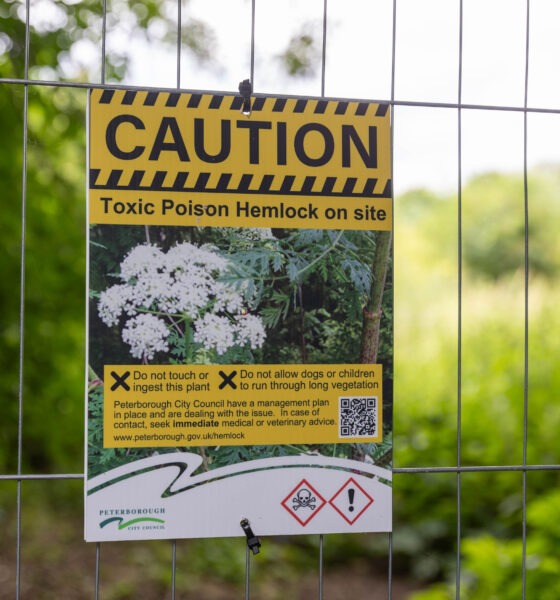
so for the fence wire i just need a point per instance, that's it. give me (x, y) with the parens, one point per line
(26, 83)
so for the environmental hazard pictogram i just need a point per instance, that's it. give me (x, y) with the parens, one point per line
(303, 502)
(351, 501)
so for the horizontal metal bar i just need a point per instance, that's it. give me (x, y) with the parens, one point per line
(476, 469)
(407, 103)
(399, 471)
(38, 476)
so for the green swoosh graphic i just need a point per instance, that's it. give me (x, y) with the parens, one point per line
(124, 524)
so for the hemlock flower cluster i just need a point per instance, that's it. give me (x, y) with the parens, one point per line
(178, 290)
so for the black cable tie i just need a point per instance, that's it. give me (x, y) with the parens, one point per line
(253, 541)
(246, 89)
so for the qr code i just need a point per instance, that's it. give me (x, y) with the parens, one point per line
(357, 416)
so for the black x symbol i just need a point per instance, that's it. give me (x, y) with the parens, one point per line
(228, 380)
(120, 381)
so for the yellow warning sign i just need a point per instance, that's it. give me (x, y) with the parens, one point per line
(212, 405)
(171, 158)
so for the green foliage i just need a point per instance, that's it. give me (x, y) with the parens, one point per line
(492, 384)
(53, 39)
(492, 221)
(54, 230)
(301, 57)
(310, 286)
(492, 566)
(314, 284)
(54, 275)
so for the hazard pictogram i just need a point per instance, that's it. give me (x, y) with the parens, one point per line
(351, 501)
(303, 502)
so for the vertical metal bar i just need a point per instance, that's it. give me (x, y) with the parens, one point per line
(390, 568)
(526, 308)
(22, 299)
(247, 572)
(393, 70)
(459, 292)
(21, 349)
(179, 34)
(97, 567)
(173, 567)
(321, 541)
(253, 13)
(103, 77)
(252, 79)
(103, 40)
(323, 75)
(324, 51)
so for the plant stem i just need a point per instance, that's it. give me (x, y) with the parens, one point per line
(372, 310)
(188, 340)
(302, 325)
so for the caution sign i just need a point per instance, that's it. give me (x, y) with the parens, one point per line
(176, 158)
(239, 321)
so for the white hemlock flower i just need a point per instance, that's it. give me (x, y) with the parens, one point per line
(143, 259)
(214, 333)
(249, 328)
(146, 335)
(150, 289)
(190, 258)
(184, 287)
(228, 299)
(112, 303)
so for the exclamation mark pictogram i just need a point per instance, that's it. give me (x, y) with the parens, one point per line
(351, 492)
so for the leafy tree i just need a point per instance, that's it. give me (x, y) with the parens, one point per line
(302, 56)
(65, 34)
(54, 276)
(54, 232)
(492, 382)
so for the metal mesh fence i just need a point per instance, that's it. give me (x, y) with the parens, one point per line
(378, 60)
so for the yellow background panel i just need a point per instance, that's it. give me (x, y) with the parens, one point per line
(212, 405)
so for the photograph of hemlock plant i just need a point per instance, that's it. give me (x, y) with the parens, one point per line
(200, 295)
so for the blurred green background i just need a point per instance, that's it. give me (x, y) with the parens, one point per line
(492, 384)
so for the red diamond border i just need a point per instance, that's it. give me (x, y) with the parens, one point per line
(356, 516)
(304, 483)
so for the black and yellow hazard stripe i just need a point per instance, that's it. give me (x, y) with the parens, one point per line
(314, 106)
(268, 178)
(183, 181)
